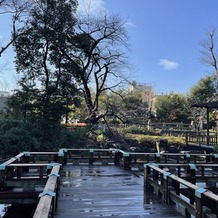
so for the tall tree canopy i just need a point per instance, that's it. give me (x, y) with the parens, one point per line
(38, 58)
(58, 55)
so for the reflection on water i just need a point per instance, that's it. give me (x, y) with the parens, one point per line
(3, 209)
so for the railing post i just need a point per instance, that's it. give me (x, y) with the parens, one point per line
(41, 169)
(147, 172)
(19, 172)
(65, 155)
(198, 201)
(166, 187)
(154, 172)
(126, 161)
(157, 157)
(2, 178)
(215, 156)
(216, 138)
(192, 179)
(26, 160)
(116, 157)
(186, 138)
(208, 157)
(61, 157)
(176, 186)
(34, 158)
(187, 158)
(91, 156)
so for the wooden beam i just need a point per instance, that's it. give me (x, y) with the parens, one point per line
(46, 201)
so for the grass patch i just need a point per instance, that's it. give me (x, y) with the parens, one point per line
(149, 139)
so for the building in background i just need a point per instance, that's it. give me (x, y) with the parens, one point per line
(146, 91)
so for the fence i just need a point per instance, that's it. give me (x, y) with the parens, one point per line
(195, 201)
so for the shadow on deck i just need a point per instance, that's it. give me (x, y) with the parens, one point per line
(107, 191)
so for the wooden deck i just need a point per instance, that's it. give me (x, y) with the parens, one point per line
(107, 191)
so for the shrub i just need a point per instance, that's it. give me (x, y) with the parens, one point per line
(151, 140)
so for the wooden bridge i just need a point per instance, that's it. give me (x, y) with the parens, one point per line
(107, 182)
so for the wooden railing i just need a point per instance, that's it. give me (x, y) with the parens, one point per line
(201, 138)
(195, 201)
(163, 126)
(29, 169)
(49, 197)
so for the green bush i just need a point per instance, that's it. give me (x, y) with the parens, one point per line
(75, 138)
(15, 136)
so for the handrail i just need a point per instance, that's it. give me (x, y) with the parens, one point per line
(48, 198)
(196, 202)
(201, 137)
(11, 160)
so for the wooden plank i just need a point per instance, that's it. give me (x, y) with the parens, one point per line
(107, 191)
(46, 201)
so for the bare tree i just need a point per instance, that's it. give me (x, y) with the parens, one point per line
(99, 50)
(15, 9)
(209, 52)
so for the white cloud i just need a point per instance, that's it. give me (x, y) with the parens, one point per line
(168, 65)
(93, 7)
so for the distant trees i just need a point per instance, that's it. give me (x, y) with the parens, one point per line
(175, 107)
(127, 107)
(204, 89)
(172, 107)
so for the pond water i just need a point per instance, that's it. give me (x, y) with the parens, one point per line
(3, 209)
(17, 210)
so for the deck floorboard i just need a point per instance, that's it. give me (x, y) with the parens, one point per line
(107, 191)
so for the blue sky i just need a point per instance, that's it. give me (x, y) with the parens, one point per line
(165, 38)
